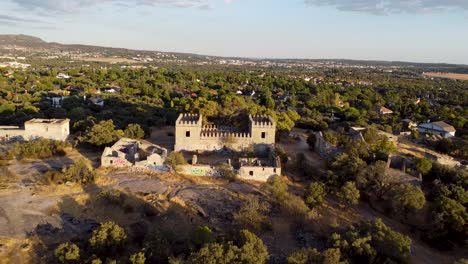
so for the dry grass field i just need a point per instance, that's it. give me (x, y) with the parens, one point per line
(454, 76)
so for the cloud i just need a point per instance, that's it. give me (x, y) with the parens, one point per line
(15, 20)
(75, 5)
(392, 6)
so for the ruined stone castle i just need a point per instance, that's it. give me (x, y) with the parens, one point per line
(192, 135)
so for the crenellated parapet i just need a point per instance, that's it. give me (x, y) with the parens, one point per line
(219, 134)
(262, 121)
(189, 120)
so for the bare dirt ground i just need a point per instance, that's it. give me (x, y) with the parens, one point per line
(32, 212)
(455, 76)
(297, 143)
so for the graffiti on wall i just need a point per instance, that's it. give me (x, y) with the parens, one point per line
(205, 172)
(120, 162)
(160, 168)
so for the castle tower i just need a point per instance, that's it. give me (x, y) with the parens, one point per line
(187, 132)
(262, 130)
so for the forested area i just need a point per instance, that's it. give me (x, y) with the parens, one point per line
(329, 100)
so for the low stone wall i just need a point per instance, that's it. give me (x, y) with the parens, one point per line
(12, 134)
(258, 173)
(255, 173)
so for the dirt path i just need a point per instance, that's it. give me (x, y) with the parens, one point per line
(297, 143)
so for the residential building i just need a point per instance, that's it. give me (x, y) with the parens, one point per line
(438, 128)
(384, 111)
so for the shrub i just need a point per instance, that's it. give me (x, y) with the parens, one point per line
(174, 159)
(67, 253)
(252, 250)
(252, 214)
(37, 149)
(137, 258)
(108, 237)
(349, 193)
(201, 235)
(227, 171)
(408, 198)
(315, 194)
(79, 172)
(424, 165)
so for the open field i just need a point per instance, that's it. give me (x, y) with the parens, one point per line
(454, 76)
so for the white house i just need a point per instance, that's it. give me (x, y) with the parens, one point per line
(438, 128)
(63, 76)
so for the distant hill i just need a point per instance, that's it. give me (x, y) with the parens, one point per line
(23, 40)
(32, 44)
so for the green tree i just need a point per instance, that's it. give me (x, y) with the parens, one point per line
(253, 249)
(450, 216)
(67, 253)
(108, 237)
(102, 134)
(408, 198)
(424, 165)
(134, 131)
(349, 193)
(315, 194)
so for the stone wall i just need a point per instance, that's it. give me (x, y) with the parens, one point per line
(258, 173)
(11, 134)
(47, 128)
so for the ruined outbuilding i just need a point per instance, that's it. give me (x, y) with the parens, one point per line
(134, 153)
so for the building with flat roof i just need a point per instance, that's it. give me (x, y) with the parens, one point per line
(56, 129)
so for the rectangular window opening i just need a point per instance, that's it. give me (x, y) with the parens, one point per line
(187, 134)
(263, 134)
(251, 173)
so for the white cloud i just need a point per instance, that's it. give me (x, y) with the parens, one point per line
(392, 6)
(75, 5)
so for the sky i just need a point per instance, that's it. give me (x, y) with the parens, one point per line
(396, 30)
